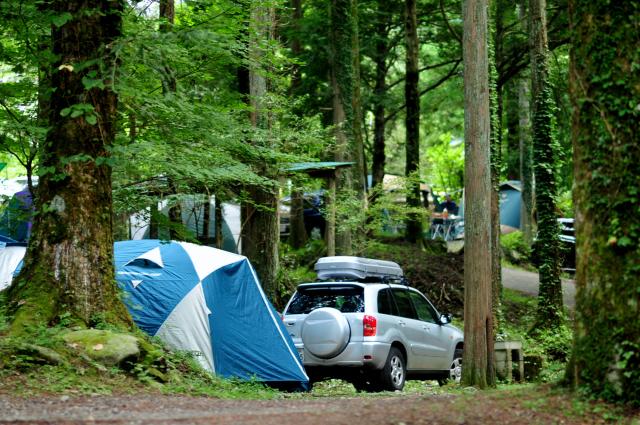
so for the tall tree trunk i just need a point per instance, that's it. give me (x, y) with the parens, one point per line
(360, 166)
(478, 360)
(206, 219)
(495, 99)
(547, 246)
(261, 230)
(380, 90)
(527, 221)
(218, 217)
(341, 76)
(69, 263)
(511, 149)
(169, 86)
(526, 166)
(297, 232)
(605, 92)
(413, 232)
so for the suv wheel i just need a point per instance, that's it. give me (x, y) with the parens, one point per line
(394, 372)
(455, 370)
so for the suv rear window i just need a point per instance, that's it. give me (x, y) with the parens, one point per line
(347, 299)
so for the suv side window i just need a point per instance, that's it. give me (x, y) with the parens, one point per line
(405, 307)
(425, 311)
(386, 305)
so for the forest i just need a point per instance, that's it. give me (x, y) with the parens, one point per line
(236, 123)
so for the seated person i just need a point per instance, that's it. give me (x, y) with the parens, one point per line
(449, 205)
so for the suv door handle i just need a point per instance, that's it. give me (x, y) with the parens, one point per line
(401, 322)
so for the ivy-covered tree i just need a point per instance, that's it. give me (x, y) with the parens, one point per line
(68, 268)
(547, 246)
(605, 93)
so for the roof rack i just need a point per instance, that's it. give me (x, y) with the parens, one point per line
(357, 268)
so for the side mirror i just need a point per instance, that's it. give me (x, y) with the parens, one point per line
(445, 318)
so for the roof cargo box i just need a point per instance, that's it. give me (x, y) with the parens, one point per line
(357, 268)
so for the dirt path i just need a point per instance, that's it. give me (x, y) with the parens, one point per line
(528, 283)
(530, 406)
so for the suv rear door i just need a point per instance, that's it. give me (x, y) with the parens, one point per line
(412, 328)
(344, 297)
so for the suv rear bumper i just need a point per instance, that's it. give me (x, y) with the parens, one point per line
(360, 354)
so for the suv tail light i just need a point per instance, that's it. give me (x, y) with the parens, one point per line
(369, 325)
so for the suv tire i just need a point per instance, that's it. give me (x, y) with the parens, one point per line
(455, 370)
(394, 373)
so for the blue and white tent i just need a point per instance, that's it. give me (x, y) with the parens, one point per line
(202, 300)
(209, 302)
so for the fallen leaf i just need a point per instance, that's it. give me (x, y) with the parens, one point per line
(98, 347)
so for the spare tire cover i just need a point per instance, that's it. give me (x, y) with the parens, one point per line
(325, 332)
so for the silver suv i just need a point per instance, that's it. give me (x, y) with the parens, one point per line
(363, 323)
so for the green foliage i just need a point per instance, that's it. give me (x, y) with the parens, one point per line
(553, 346)
(445, 164)
(515, 249)
(296, 267)
(24, 371)
(565, 204)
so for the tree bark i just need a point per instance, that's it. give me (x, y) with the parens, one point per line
(169, 86)
(524, 146)
(547, 246)
(360, 166)
(341, 76)
(478, 362)
(69, 263)
(298, 233)
(261, 229)
(495, 99)
(512, 145)
(380, 91)
(413, 232)
(527, 222)
(218, 217)
(605, 93)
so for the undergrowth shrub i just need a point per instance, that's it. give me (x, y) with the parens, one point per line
(514, 249)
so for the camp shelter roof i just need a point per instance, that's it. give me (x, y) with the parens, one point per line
(316, 169)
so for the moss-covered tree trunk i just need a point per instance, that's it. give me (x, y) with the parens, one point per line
(478, 362)
(341, 75)
(68, 268)
(261, 230)
(413, 231)
(605, 92)
(547, 246)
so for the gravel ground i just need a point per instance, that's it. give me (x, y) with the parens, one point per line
(475, 408)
